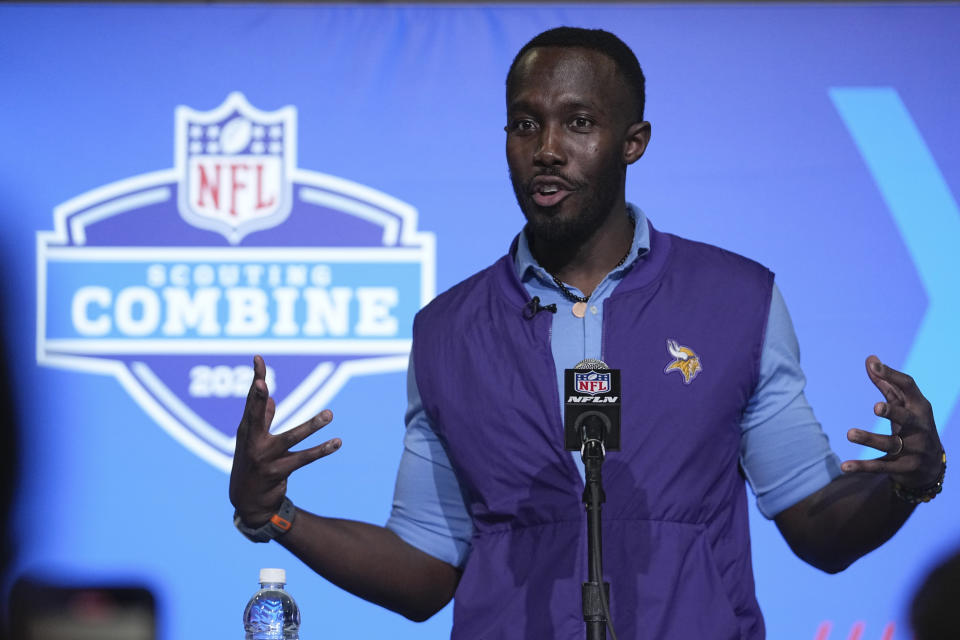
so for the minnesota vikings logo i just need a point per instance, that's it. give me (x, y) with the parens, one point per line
(685, 361)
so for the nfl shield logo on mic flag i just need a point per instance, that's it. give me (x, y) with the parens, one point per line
(592, 382)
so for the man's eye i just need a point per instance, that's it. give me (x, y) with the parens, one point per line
(523, 125)
(582, 123)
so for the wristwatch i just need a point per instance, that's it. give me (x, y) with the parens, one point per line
(276, 526)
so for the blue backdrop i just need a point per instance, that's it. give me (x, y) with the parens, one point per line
(820, 140)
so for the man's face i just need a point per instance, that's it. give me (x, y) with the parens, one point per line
(568, 112)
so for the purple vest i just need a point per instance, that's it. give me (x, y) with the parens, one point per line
(675, 541)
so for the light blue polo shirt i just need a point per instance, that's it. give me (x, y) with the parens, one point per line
(783, 451)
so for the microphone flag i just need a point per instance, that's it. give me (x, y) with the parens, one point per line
(591, 394)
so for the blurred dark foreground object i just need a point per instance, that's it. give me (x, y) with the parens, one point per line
(935, 611)
(44, 611)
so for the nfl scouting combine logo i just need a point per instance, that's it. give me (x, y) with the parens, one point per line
(171, 280)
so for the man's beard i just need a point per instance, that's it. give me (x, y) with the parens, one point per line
(564, 234)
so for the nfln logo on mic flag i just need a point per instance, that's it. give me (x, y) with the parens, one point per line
(171, 281)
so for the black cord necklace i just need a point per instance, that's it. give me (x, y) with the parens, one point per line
(580, 302)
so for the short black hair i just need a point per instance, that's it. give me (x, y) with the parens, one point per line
(596, 40)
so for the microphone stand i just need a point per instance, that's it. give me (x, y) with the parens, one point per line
(596, 609)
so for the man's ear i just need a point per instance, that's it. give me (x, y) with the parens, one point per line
(636, 141)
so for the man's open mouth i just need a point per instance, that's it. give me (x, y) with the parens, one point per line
(547, 191)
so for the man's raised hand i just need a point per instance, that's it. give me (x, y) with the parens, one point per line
(261, 461)
(913, 449)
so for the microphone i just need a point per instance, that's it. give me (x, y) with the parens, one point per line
(591, 418)
(534, 307)
(592, 406)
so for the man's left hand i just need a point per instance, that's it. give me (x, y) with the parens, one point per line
(913, 450)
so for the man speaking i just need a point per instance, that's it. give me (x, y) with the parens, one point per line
(487, 505)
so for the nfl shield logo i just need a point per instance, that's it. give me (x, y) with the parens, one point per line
(592, 383)
(235, 164)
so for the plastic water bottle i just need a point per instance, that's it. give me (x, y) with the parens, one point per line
(271, 613)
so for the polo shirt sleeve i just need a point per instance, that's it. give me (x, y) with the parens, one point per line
(784, 452)
(429, 511)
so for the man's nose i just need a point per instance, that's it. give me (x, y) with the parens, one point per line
(550, 150)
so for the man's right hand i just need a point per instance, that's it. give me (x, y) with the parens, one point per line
(261, 461)
(367, 560)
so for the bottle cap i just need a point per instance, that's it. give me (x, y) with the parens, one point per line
(273, 576)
